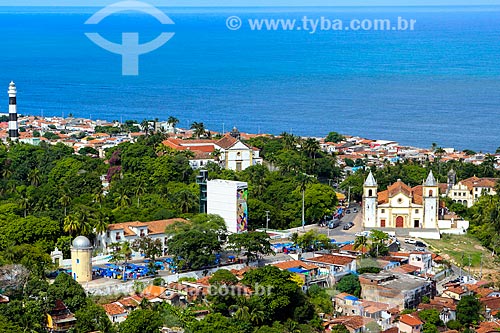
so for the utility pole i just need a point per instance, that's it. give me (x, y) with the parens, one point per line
(303, 218)
(469, 266)
(481, 269)
(267, 220)
(349, 197)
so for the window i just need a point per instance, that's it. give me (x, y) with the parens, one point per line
(238, 166)
(77, 261)
(416, 211)
(107, 234)
(416, 223)
(431, 193)
(382, 211)
(370, 193)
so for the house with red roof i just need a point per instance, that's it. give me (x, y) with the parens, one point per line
(115, 312)
(131, 231)
(410, 323)
(336, 265)
(228, 151)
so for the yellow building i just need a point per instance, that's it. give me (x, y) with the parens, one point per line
(81, 259)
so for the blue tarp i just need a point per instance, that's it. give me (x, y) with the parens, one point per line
(297, 270)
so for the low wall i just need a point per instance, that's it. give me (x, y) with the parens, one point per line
(425, 235)
(127, 287)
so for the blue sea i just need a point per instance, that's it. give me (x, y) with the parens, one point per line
(438, 83)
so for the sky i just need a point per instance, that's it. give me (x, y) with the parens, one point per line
(252, 3)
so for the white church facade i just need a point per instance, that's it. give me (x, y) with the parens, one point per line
(401, 206)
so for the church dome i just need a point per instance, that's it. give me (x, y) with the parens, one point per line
(81, 242)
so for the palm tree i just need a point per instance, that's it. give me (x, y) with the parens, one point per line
(361, 242)
(145, 126)
(139, 190)
(311, 147)
(99, 198)
(101, 224)
(122, 200)
(172, 121)
(198, 129)
(216, 154)
(25, 201)
(304, 180)
(34, 177)
(242, 313)
(7, 173)
(289, 141)
(186, 200)
(71, 224)
(65, 201)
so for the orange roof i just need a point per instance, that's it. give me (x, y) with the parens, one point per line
(456, 290)
(226, 142)
(407, 268)
(491, 302)
(333, 259)
(352, 322)
(488, 327)
(415, 193)
(154, 227)
(350, 248)
(152, 290)
(479, 182)
(113, 309)
(295, 264)
(410, 320)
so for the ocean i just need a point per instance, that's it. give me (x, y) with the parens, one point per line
(437, 83)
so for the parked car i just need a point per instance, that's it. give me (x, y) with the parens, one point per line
(362, 233)
(355, 210)
(348, 211)
(420, 244)
(333, 223)
(348, 226)
(410, 241)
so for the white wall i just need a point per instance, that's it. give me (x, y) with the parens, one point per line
(222, 200)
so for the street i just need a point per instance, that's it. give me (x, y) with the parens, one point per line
(338, 233)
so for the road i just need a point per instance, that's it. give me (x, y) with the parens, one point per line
(341, 235)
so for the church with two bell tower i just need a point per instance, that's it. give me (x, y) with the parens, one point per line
(401, 206)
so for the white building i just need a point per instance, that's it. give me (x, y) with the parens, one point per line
(229, 152)
(401, 206)
(469, 190)
(229, 200)
(130, 231)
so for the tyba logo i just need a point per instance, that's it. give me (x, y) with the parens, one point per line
(130, 49)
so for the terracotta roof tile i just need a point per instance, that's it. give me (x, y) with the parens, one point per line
(333, 259)
(154, 227)
(411, 320)
(295, 264)
(488, 327)
(113, 309)
(154, 291)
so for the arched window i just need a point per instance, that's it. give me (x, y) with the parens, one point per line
(431, 193)
(370, 193)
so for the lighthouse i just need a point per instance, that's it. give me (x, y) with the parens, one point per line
(13, 130)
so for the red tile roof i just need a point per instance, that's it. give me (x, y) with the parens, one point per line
(295, 264)
(411, 320)
(333, 259)
(488, 327)
(113, 309)
(154, 227)
(226, 142)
